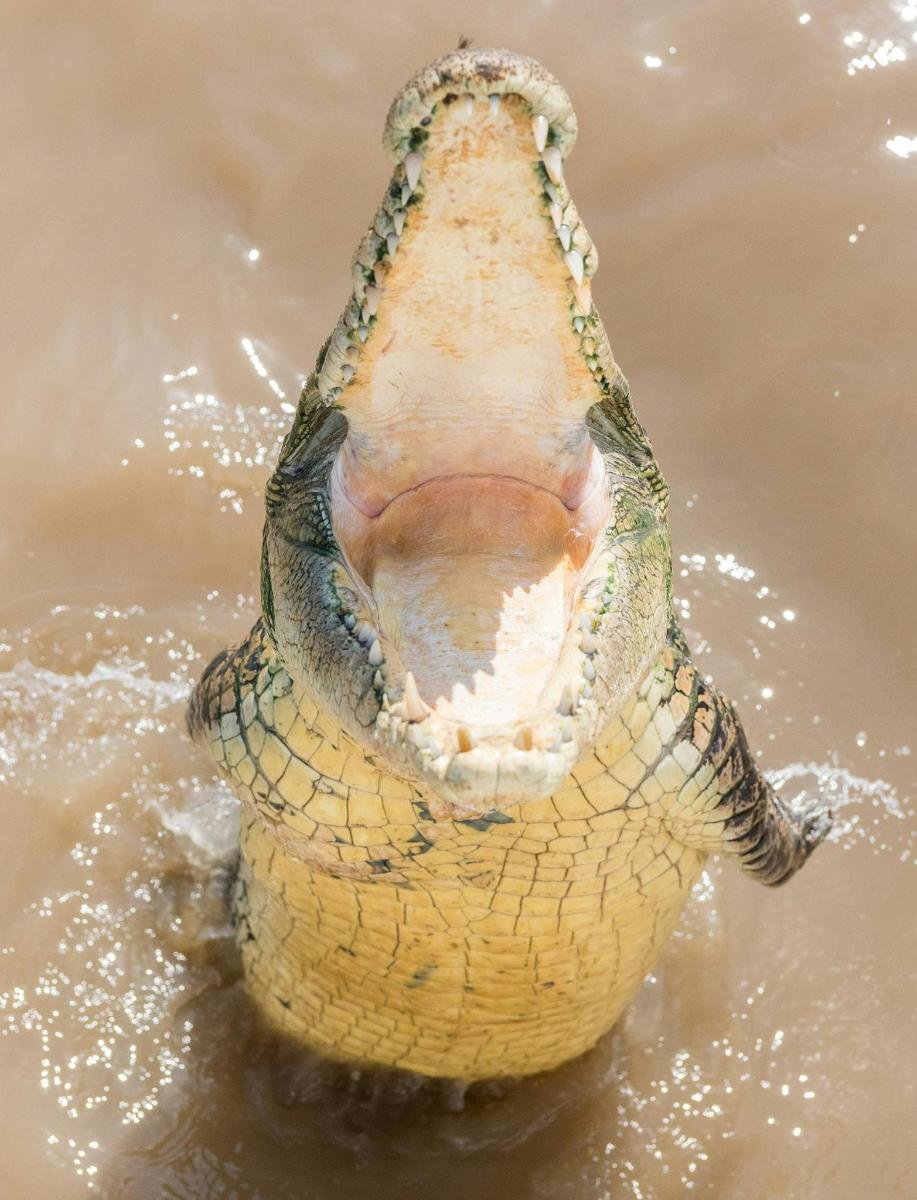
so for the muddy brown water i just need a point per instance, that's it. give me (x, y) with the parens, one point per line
(183, 187)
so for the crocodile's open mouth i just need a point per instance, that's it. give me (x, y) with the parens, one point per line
(469, 497)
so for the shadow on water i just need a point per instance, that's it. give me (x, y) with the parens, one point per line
(306, 1127)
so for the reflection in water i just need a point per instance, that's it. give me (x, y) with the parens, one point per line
(764, 1056)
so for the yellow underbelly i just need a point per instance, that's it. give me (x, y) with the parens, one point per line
(495, 951)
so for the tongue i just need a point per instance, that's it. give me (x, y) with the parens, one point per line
(473, 580)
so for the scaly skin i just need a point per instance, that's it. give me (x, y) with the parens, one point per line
(415, 892)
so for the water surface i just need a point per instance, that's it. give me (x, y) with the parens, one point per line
(183, 188)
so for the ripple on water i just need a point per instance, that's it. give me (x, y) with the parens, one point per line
(121, 976)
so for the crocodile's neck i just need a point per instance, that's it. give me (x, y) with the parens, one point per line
(384, 932)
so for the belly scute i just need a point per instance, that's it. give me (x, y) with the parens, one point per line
(471, 949)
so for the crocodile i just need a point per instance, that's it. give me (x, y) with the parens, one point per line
(479, 770)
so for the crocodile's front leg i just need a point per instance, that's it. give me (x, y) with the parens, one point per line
(717, 799)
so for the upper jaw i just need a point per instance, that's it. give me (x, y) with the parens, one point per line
(470, 347)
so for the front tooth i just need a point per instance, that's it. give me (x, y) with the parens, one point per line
(398, 219)
(582, 296)
(553, 164)
(556, 742)
(494, 101)
(415, 708)
(412, 162)
(523, 739)
(540, 131)
(374, 657)
(565, 705)
(574, 261)
(464, 739)
(564, 234)
(464, 108)
(567, 729)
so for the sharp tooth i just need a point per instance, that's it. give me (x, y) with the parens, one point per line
(415, 708)
(540, 131)
(553, 164)
(579, 324)
(378, 681)
(464, 739)
(391, 244)
(494, 101)
(567, 729)
(574, 261)
(373, 296)
(557, 215)
(347, 372)
(565, 705)
(523, 739)
(374, 658)
(406, 190)
(556, 742)
(588, 671)
(464, 108)
(398, 219)
(412, 163)
(564, 234)
(362, 333)
(380, 270)
(582, 297)
(366, 634)
(350, 621)
(552, 193)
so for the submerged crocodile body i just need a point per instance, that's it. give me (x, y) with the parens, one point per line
(480, 772)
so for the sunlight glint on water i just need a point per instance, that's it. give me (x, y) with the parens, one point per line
(765, 1053)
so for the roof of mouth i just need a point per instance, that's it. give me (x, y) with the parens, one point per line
(479, 72)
